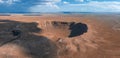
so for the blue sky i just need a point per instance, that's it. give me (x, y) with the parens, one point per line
(59, 5)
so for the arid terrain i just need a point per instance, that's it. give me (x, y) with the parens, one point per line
(60, 36)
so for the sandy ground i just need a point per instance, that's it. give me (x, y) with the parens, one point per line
(60, 36)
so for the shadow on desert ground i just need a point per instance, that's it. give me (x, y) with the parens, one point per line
(21, 34)
(77, 29)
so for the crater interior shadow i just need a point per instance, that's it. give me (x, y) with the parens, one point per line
(35, 46)
(77, 29)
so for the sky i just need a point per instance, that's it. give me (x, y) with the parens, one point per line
(59, 6)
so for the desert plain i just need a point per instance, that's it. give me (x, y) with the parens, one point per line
(60, 36)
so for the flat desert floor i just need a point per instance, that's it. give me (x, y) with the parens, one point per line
(60, 36)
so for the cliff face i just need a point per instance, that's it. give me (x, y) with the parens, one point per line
(59, 36)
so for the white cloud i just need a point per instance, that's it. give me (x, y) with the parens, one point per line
(52, 5)
(48, 7)
(8, 1)
(51, 1)
(93, 6)
(1, 1)
(79, 0)
(64, 2)
(104, 6)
